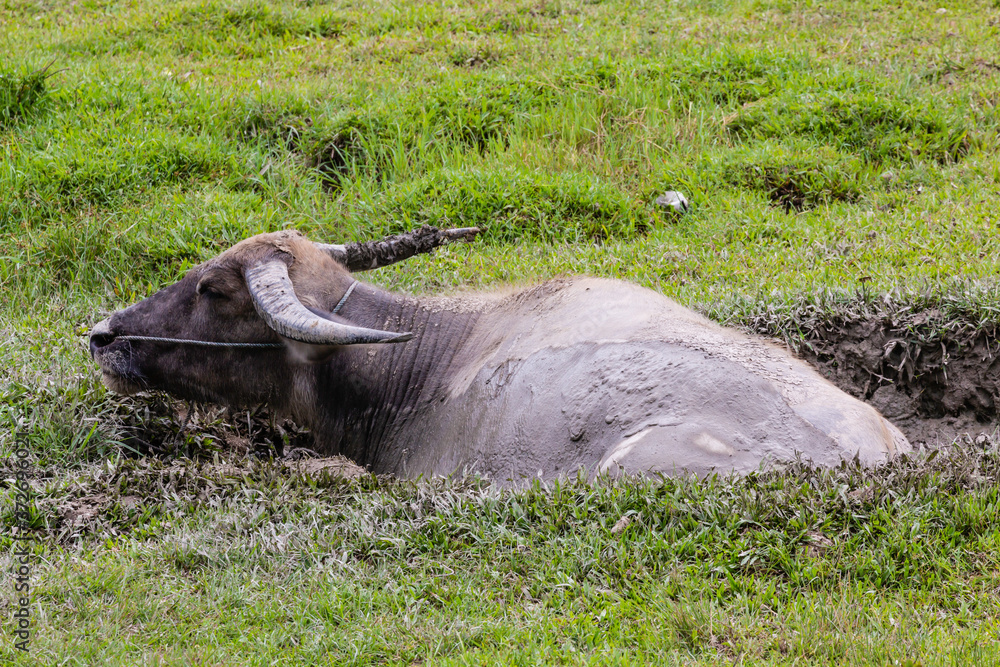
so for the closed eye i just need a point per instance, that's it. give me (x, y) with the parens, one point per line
(207, 290)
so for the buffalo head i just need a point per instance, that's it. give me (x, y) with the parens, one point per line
(231, 330)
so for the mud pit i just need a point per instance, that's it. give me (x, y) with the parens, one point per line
(936, 378)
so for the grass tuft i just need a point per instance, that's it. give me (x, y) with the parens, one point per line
(244, 29)
(512, 206)
(480, 113)
(878, 126)
(726, 77)
(798, 178)
(21, 96)
(353, 144)
(275, 124)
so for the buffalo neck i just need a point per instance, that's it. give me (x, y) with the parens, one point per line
(365, 394)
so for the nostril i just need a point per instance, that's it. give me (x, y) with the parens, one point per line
(99, 340)
(101, 336)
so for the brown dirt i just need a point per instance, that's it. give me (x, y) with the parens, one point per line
(91, 500)
(937, 380)
(151, 425)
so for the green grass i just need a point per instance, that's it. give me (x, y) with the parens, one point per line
(837, 156)
(261, 563)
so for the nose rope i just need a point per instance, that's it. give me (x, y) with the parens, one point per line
(205, 343)
(350, 289)
(211, 343)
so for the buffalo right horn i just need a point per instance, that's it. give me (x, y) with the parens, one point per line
(275, 301)
(373, 254)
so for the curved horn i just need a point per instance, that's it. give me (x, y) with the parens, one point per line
(275, 300)
(373, 254)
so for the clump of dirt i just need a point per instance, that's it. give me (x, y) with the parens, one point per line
(936, 377)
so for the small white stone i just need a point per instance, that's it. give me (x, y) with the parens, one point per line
(675, 200)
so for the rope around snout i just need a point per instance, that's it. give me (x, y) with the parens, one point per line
(212, 343)
(206, 343)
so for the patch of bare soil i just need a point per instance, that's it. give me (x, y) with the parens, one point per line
(177, 453)
(160, 426)
(936, 378)
(108, 499)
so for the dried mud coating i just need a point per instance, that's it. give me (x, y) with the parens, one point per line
(611, 377)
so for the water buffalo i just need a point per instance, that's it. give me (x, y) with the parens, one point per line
(573, 373)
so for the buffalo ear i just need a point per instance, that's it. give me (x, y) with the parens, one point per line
(312, 353)
(309, 353)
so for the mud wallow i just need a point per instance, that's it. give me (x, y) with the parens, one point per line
(932, 369)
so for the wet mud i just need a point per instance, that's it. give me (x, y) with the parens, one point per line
(936, 380)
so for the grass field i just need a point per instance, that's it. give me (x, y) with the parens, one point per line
(842, 160)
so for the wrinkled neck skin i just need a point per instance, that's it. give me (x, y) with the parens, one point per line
(356, 401)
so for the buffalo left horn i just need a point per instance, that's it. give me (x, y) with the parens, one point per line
(275, 301)
(373, 254)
